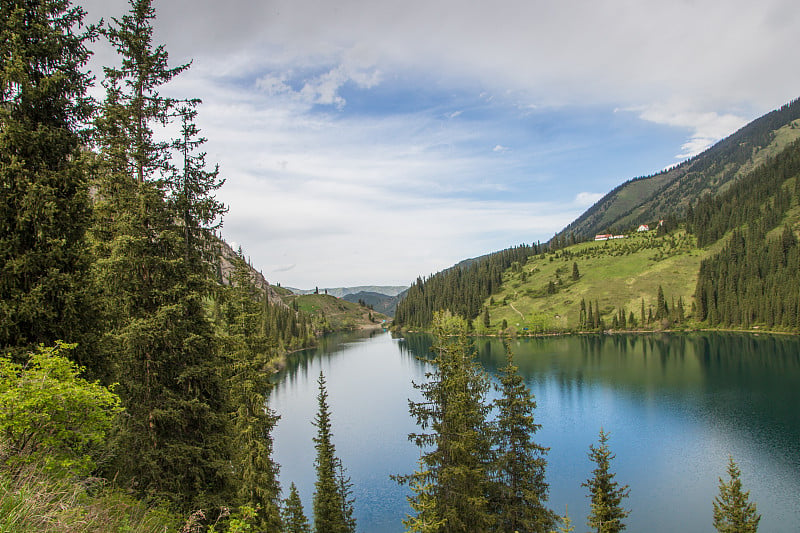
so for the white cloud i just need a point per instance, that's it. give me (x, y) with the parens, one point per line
(586, 199)
(707, 127)
(304, 184)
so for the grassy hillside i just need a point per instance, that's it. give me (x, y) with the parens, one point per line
(617, 273)
(334, 314)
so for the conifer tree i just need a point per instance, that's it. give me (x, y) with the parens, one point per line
(332, 506)
(733, 511)
(248, 356)
(575, 272)
(607, 513)
(452, 483)
(643, 315)
(520, 491)
(173, 444)
(44, 203)
(294, 519)
(661, 305)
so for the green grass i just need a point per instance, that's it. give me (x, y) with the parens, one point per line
(617, 273)
(33, 502)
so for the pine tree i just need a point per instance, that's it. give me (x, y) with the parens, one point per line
(294, 520)
(453, 479)
(661, 305)
(332, 507)
(733, 512)
(249, 354)
(152, 237)
(606, 495)
(575, 273)
(643, 315)
(45, 293)
(520, 491)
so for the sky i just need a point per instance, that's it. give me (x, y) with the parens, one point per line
(371, 142)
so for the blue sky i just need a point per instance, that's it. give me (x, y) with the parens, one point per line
(370, 142)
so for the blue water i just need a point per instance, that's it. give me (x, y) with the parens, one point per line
(675, 405)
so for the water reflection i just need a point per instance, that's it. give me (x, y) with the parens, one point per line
(676, 406)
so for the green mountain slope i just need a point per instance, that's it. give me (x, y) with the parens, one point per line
(745, 274)
(731, 258)
(330, 313)
(541, 295)
(648, 199)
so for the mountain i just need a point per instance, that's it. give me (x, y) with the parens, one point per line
(336, 314)
(728, 254)
(341, 292)
(645, 200)
(379, 302)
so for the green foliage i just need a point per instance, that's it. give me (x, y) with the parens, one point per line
(44, 203)
(733, 511)
(607, 513)
(50, 416)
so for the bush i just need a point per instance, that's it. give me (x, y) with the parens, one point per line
(50, 416)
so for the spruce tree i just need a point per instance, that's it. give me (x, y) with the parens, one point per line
(249, 354)
(294, 519)
(332, 505)
(452, 483)
(520, 491)
(44, 204)
(661, 305)
(607, 513)
(173, 444)
(733, 511)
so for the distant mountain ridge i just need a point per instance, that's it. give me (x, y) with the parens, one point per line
(382, 303)
(668, 193)
(340, 292)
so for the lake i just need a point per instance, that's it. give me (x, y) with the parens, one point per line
(675, 405)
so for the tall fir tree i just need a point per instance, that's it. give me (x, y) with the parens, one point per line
(733, 510)
(44, 203)
(332, 506)
(249, 354)
(607, 513)
(453, 482)
(173, 444)
(520, 490)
